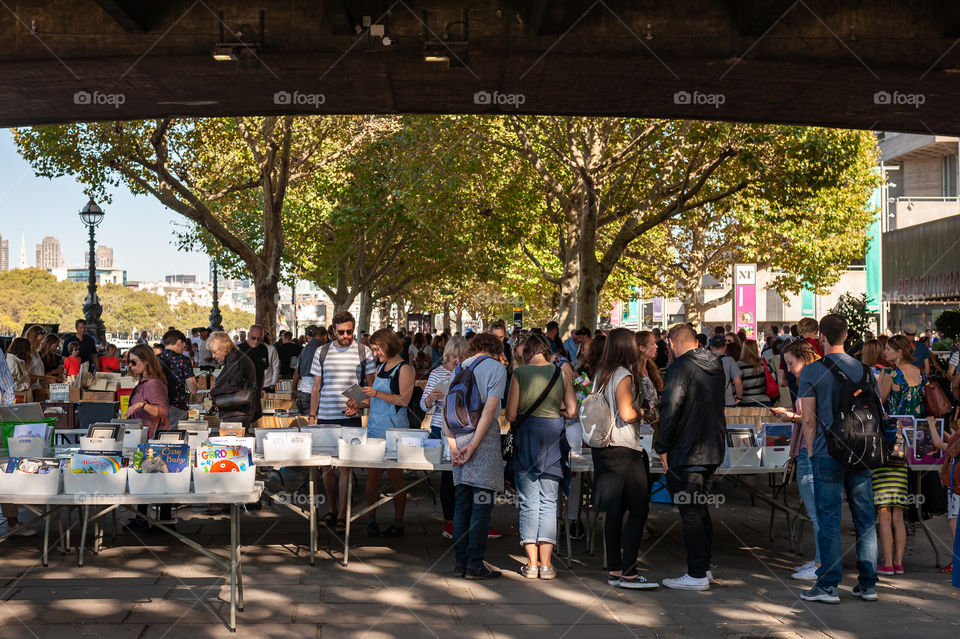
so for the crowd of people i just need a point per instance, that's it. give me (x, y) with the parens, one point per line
(673, 386)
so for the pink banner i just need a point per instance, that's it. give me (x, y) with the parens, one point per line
(745, 299)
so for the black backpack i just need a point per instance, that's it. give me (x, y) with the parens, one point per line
(856, 437)
(415, 414)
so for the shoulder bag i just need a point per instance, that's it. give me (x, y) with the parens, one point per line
(508, 447)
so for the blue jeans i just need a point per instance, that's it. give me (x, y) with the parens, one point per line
(538, 507)
(806, 489)
(471, 524)
(831, 480)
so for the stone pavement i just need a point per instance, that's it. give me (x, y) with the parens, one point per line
(404, 588)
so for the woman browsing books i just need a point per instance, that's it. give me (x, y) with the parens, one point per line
(149, 401)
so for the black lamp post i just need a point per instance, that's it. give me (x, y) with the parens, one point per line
(92, 215)
(215, 317)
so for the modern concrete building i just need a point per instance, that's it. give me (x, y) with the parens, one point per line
(921, 228)
(4, 254)
(104, 257)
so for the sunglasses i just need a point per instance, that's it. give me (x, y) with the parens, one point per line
(254, 339)
(346, 332)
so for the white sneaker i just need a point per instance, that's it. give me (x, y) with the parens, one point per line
(686, 582)
(808, 573)
(805, 566)
(710, 577)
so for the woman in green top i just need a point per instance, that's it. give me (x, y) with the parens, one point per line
(901, 389)
(540, 462)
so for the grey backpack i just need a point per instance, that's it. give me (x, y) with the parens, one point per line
(597, 418)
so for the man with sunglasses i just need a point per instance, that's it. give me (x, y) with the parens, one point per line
(338, 365)
(256, 350)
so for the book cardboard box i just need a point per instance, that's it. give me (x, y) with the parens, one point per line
(127, 382)
(102, 383)
(99, 396)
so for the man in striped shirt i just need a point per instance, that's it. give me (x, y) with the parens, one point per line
(338, 365)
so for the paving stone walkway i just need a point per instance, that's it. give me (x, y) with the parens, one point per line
(405, 588)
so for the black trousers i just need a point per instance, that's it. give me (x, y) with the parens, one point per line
(690, 491)
(622, 540)
(448, 496)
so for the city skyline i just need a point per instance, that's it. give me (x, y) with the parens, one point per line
(40, 207)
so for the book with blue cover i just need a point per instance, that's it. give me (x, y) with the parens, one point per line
(161, 457)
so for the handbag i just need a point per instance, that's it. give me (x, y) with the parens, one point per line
(508, 447)
(936, 400)
(243, 397)
(773, 386)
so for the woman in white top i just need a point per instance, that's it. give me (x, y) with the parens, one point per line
(17, 354)
(621, 485)
(432, 402)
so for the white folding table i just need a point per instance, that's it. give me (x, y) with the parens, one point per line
(44, 506)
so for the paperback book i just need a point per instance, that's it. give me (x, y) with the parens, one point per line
(85, 463)
(33, 465)
(223, 459)
(159, 457)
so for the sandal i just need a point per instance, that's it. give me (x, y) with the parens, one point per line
(329, 519)
(341, 526)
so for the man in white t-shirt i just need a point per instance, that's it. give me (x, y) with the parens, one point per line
(337, 366)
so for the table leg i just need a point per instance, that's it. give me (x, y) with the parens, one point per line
(239, 566)
(234, 508)
(923, 524)
(311, 482)
(83, 535)
(46, 537)
(566, 527)
(346, 535)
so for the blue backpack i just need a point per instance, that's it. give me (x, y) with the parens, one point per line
(463, 406)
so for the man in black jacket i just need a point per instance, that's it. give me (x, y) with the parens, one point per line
(691, 444)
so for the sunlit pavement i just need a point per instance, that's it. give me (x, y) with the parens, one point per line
(406, 588)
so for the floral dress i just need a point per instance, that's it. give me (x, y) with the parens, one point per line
(890, 482)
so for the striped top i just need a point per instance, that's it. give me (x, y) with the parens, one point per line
(439, 375)
(754, 385)
(341, 370)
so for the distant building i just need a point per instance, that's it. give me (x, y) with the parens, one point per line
(4, 254)
(104, 275)
(104, 257)
(48, 253)
(22, 263)
(181, 279)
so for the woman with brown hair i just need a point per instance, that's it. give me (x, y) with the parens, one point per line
(50, 356)
(797, 355)
(387, 399)
(590, 361)
(901, 389)
(647, 345)
(872, 357)
(621, 469)
(149, 401)
(38, 377)
(752, 376)
(17, 355)
(540, 397)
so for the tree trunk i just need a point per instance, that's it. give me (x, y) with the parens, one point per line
(588, 299)
(265, 286)
(446, 316)
(366, 310)
(459, 319)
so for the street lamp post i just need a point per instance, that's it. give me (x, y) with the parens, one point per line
(92, 215)
(215, 317)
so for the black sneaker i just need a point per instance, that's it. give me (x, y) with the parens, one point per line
(460, 568)
(373, 530)
(577, 530)
(483, 572)
(393, 531)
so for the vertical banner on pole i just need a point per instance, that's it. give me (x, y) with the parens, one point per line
(808, 303)
(873, 262)
(657, 310)
(518, 318)
(745, 296)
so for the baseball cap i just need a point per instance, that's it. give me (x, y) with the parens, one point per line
(717, 341)
(310, 330)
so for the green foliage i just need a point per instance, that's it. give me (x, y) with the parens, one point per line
(948, 323)
(35, 296)
(853, 308)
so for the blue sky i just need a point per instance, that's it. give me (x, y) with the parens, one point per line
(42, 207)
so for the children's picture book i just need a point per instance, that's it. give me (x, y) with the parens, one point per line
(223, 459)
(95, 464)
(160, 457)
(33, 465)
(923, 450)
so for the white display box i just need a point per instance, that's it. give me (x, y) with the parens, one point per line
(260, 432)
(323, 437)
(133, 437)
(281, 446)
(219, 483)
(746, 457)
(774, 456)
(95, 484)
(25, 484)
(373, 451)
(419, 454)
(229, 440)
(28, 447)
(98, 444)
(197, 437)
(775, 439)
(159, 483)
(394, 433)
